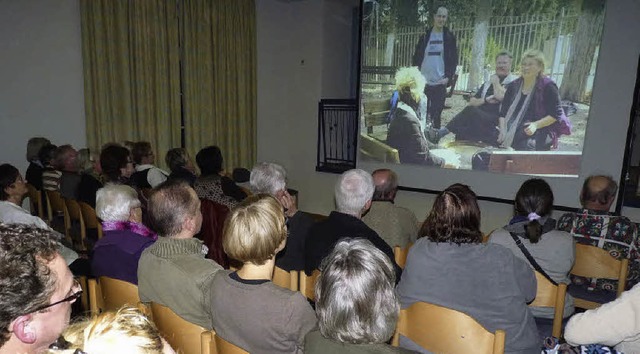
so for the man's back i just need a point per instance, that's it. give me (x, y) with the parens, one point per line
(616, 234)
(174, 273)
(396, 225)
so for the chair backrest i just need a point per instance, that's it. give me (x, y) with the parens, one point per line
(84, 298)
(75, 215)
(224, 347)
(287, 280)
(57, 207)
(549, 295)
(183, 336)
(35, 201)
(90, 218)
(594, 262)
(213, 217)
(308, 284)
(442, 330)
(110, 294)
(400, 254)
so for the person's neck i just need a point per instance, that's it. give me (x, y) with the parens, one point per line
(184, 235)
(597, 207)
(437, 29)
(528, 84)
(17, 200)
(357, 216)
(13, 345)
(250, 271)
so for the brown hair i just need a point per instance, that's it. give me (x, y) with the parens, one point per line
(534, 196)
(170, 204)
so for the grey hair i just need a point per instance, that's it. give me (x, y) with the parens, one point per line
(267, 177)
(353, 190)
(115, 201)
(356, 301)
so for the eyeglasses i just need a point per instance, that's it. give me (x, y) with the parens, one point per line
(72, 297)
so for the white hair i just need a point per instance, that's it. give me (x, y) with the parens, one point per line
(267, 177)
(115, 201)
(353, 190)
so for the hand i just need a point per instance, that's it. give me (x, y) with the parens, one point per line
(443, 81)
(501, 135)
(491, 99)
(530, 128)
(289, 204)
(494, 79)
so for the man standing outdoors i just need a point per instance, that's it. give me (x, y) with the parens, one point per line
(36, 290)
(396, 225)
(594, 225)
(436, 55)
(174, 271)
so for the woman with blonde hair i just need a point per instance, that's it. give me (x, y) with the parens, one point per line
(248, 310)
(405, 131)
(531, 117)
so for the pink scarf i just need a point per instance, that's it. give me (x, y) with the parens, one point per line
(134, 227)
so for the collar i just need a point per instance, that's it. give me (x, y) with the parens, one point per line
(136, 228)
(167, 246)
(586, 211)
(518, 223)
(237, 278)
(144, 167)
(383, 201)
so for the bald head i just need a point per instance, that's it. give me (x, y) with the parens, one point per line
(386, 184)
(598, 192)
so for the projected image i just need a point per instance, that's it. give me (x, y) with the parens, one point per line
(502, 85)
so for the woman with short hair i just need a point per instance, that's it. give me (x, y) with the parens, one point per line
(117, 253)
(116, 163)
(248, 310)
(181, 165)
(356, 302)
(212, 183)
(90, 179)
(449, 266)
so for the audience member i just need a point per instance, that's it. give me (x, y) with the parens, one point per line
(353, 193)
(532, 230)
(181, 166)
(356, 302)
(396, 225)
(248, 310)
(90, 179)
(116, 163)
(449, 266)
(50, 176)
(212, 184)
(36, 289)
(614, 323)
(117, 253)
(595, 225)
(147, 175)
(271, 178)
(35, 169)
(126, 330)
(12, 192)
(173, 271)
(66, 161)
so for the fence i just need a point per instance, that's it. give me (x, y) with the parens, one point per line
(337, 135)
(550, 33)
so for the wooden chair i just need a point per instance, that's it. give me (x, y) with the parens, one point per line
(57, 209)
(91, 221)
(35, 201)
(110, 294)
(377, 150)
(287, 280)
(549, 295)
(308, 284)
(400, 254)
(442, 330)
(183, 336)
(75, 218)
(224, 347)
(595, 262)
(84, 298)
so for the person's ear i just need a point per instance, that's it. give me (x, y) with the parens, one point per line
(23, 329)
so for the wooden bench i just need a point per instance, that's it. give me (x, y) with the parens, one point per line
(536, 162)
(378, 150)
(375, 113)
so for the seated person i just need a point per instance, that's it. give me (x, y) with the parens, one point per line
(50, 175)
(126, 330)
(614, 323)
(533, 229)
(117, 253)
(357, 286)
(147, 175)
(90, 179)
(66, 161)
(116, 163)
(479, 120)
(212, 183)
(449, 266)
(248, 310)
(34, 171)
(405, 132)
(181, 166)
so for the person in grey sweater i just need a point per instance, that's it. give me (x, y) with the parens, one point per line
(247, 309)
(449, 266)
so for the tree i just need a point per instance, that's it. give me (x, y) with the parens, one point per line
(480, 35)
(583, 48)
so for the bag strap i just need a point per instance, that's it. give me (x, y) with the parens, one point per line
(532, 261)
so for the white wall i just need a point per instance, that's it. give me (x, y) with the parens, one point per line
(41, 90)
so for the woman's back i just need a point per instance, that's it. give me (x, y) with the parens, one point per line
(482, 280)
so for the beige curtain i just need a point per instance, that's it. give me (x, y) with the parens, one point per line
(131, 72)
(219, 77)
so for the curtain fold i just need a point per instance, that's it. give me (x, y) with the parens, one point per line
(131, 72)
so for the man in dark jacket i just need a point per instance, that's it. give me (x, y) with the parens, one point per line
(436, 56)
